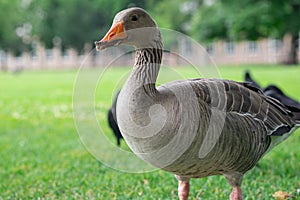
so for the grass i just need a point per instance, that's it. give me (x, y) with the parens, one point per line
(42, 157)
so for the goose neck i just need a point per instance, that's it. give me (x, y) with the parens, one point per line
(146, 68)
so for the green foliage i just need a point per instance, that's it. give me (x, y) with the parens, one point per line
(75, 22)
(78, 22)
(246, 19)
(209, 23)
(174, 14)
(9, 22)
(250, 23)
(41, 156)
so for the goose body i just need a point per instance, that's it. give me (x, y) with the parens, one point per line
(192, 128)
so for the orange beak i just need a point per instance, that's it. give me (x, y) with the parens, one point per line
(113, 37)
(115, 32)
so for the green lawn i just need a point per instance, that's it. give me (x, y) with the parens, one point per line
(42, 157)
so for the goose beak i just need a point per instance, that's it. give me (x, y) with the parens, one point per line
(113, 37)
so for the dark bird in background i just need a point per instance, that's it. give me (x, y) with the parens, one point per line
(276, 93)
(249, 79)
(112, 120)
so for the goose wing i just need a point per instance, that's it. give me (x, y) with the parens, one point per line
(245, 100)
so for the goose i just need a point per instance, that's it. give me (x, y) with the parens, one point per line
(192, 128)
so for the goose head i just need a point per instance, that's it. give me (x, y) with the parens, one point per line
(133, 26)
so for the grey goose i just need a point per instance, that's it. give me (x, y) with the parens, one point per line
(191, 128)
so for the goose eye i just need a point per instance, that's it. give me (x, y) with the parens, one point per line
(134, 18)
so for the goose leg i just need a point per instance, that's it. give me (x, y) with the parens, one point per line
(236, 193)
(183, 187)
(183, 190)
(235, 180)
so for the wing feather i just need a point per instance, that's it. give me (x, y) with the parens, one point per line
(245, 100)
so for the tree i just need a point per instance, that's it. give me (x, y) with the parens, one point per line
(248, 19)
(175, 14)
(209, 23)
(73, 22)
(76, 22)
(9, 21)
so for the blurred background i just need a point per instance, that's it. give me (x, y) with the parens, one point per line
(59, 33)
(44, 42)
